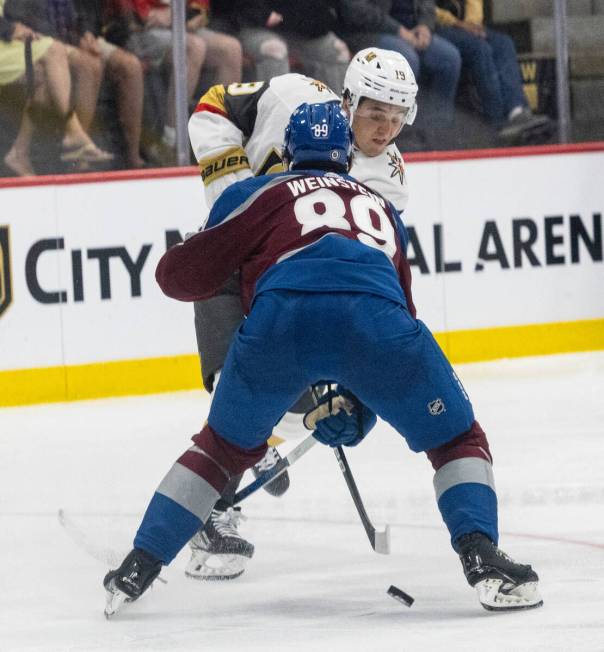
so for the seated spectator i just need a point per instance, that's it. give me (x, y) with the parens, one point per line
(123, 69)
(57, 18)
(51, 92)
(144, 28)
(491, 60)
(224, 54)
(407, 26)
(254, 25)
(273, 30)
(307, 27)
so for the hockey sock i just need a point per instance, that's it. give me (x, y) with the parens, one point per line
(187, 494)
(464, 485)
(166, 528)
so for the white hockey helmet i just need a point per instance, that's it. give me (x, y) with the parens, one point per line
(382, 75)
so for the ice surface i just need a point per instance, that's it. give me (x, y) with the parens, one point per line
(314, 583)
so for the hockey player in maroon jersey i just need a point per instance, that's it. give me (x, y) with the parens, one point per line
(236, 133)
(323, 271)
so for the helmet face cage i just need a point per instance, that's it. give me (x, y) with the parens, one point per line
(381, 75)
(318, 135)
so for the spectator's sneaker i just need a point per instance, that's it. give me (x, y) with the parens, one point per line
(501, 583)
(527, 128)
(218, 551)
(128, 582)
(160, 154)
(280, 484)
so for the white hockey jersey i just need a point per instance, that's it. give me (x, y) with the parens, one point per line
(237, 131)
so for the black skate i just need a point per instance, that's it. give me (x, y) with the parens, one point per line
(218, 551)
(280, 484)
(501, 583)
(128, 582)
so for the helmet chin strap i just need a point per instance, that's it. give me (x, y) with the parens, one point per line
(350, 110)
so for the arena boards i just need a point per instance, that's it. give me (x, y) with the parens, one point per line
(506, 249)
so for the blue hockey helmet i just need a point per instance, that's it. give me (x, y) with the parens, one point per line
(318, 136)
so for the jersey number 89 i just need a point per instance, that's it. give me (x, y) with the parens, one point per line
(333, 216)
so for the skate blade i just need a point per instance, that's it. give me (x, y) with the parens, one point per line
(494, 596)
(205, 566)
(113, 602)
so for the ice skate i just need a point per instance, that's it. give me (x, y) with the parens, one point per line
(280, 484)
(501, 583)
(218, 551)
(128, 582)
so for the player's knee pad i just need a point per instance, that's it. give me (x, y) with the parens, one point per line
(472, 443)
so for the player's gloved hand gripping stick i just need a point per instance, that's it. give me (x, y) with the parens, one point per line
(339, 418)
(324, 411)
(328, 408)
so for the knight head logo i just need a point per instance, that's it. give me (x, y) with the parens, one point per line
(6, 290)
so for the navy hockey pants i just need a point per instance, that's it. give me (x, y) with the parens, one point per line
(367, 343)
(290, 340)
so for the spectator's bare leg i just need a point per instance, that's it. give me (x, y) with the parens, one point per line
(87, 73)
(53, 87)
(126, 71)
(224, 55)
(55, 79)
(17, 158)
(195, 53)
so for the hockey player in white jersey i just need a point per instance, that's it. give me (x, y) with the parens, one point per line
(236, 132)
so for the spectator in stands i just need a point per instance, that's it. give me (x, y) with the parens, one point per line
(224, 54)
(144, 28)
(308, 29)
(273, 30)
(491, 60)
(122, 68)
(57, 18)
(254, 25)
(407, 26)
(51, 92)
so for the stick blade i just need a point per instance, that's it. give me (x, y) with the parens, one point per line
(381, 541)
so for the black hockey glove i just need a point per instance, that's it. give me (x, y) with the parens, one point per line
(340, 419)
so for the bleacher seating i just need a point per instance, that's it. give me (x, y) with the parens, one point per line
(534, 19)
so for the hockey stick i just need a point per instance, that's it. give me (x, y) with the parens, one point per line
(87, 543)
(379, 539)
(278, 469)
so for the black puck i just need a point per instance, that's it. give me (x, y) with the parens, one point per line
(401, 596)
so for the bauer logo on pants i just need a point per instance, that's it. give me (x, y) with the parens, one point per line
(436, 407)
(6, 293)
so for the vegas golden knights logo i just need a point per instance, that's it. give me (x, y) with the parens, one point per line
(6, 291)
